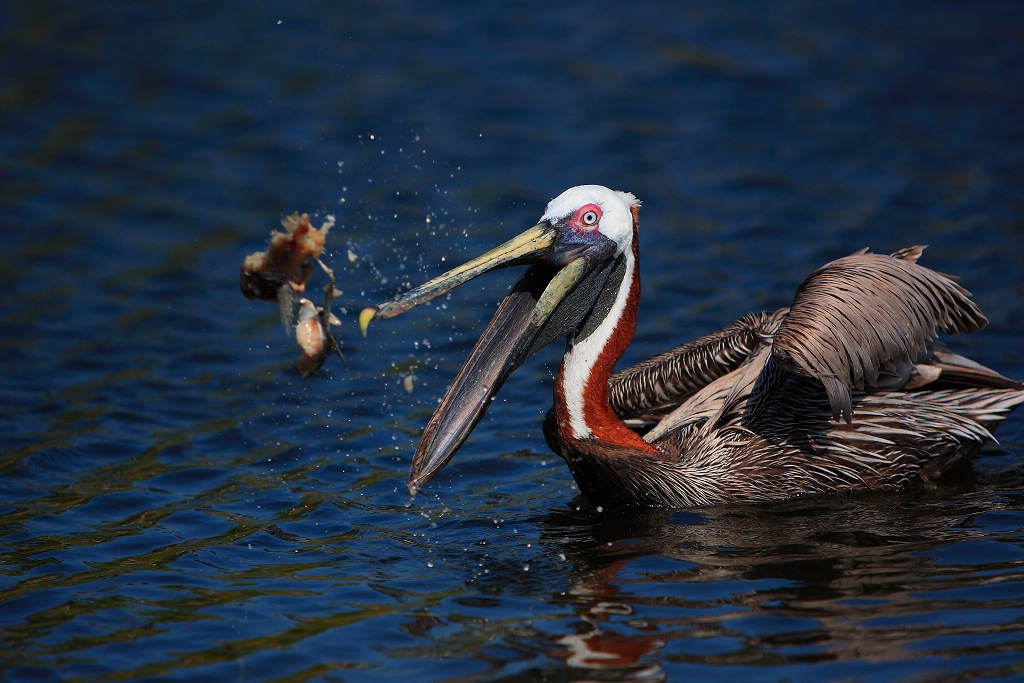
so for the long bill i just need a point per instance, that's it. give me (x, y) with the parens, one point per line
(531, 245)
(549, 301)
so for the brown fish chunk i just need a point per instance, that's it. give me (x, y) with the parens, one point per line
(286, 262)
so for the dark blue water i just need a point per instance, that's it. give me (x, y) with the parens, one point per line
(178, 505)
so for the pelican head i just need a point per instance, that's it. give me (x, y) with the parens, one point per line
(588, 209)
(578, 254)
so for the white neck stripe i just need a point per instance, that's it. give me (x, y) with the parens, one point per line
(579, 360)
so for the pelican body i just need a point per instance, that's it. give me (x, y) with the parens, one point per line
(844, 390)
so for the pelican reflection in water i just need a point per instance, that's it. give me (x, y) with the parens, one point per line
(846, 389)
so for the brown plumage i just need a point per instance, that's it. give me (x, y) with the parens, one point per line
(847, 389)
(771, 429)
(653, 385)
(857, 313)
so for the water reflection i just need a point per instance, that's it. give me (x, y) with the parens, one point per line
(865, 579)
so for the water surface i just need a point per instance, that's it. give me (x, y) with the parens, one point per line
(177, 504)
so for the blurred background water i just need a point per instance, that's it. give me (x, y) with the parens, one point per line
(178, 505)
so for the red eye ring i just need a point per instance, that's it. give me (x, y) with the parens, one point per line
(587, 217)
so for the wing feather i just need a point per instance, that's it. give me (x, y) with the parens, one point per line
(665, 380)
(857, 314)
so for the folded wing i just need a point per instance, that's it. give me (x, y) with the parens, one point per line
(655, 386)
(858, 314)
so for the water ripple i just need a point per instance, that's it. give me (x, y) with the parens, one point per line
(177, 504)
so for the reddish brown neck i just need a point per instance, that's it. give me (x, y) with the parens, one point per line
(582, 406)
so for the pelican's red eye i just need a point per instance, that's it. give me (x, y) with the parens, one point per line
(587, 217)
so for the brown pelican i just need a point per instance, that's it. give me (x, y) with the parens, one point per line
(844, 390)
